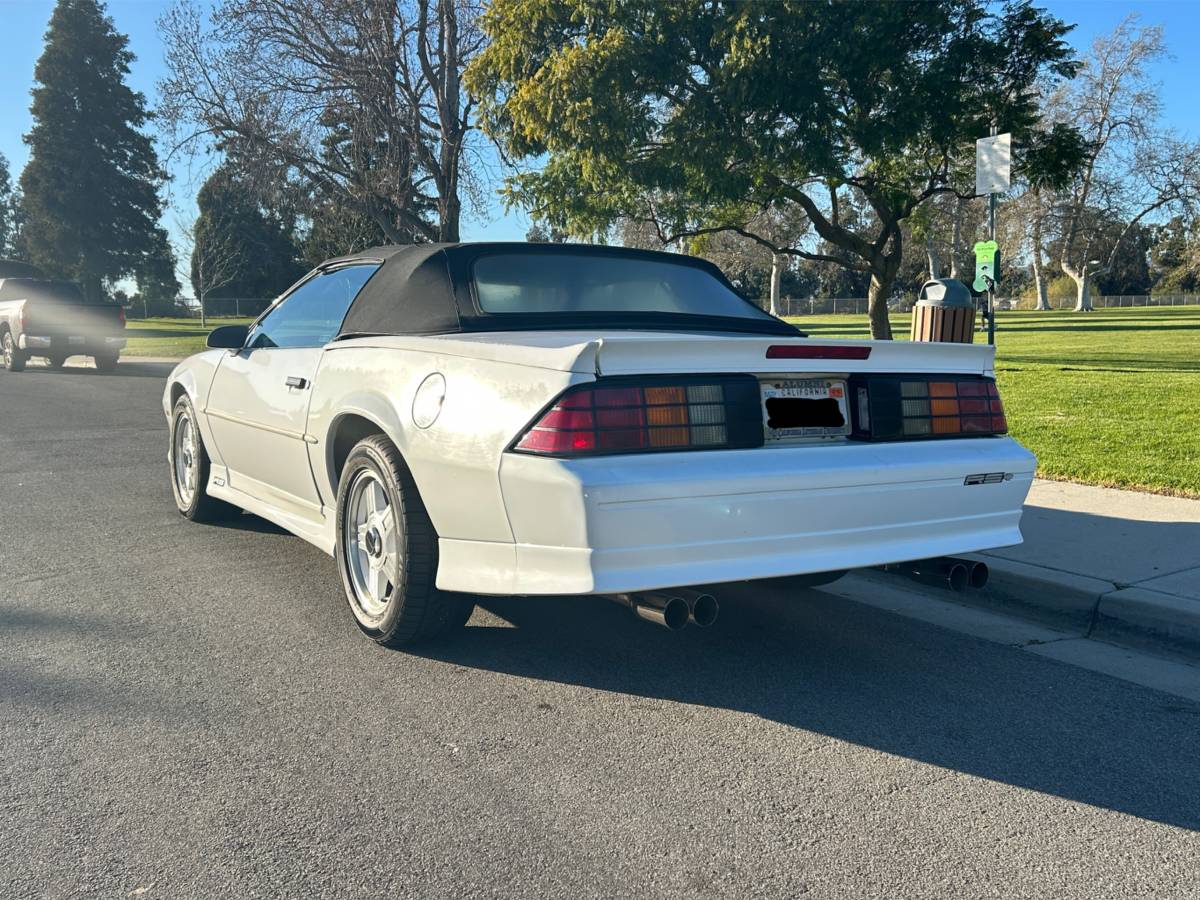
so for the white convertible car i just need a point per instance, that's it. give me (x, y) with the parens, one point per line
(463, 419)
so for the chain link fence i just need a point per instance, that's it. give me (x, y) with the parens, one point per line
(857, 306)
(231, 306)
(217, 307)
(1112, 301)
(832, 306)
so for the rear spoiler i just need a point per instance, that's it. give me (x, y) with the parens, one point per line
(647, 354)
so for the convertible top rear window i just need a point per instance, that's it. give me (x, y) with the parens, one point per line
(493, 286)
(563, 284)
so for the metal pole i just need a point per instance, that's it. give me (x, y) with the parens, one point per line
(991, 295)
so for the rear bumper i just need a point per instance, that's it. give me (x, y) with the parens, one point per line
(82, 345)
(627, 523)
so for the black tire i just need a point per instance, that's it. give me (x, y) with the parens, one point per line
(198, 506)
(106, 362)
(14, 359)
(415, 610)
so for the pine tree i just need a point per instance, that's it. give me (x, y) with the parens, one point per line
(90, 190)
(8, 211)
(261, 257)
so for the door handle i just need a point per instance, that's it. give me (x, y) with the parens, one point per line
(295, 381)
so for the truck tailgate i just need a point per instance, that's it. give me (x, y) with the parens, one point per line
(55, 318)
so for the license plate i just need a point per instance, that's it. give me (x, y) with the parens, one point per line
(804, 408)
(76, 340)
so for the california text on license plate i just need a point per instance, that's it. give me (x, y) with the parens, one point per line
(804, 408)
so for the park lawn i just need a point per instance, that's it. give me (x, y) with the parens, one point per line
(1110, 397)
(170, 338)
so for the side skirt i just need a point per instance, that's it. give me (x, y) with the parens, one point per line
(317, 531)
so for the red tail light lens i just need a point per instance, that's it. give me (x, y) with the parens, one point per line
(121, 314)
(620, 415)
(892, 408)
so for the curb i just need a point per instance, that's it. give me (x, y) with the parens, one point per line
(1056, 598)
(1149, 619)
(1099, 609)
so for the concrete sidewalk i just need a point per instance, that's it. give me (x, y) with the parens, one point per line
(1120, 566)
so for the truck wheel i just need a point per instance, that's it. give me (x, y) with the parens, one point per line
(106, 362)
(189, 469)
(387, 551)
(14, 359)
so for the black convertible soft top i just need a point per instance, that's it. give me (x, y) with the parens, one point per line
(428, 289)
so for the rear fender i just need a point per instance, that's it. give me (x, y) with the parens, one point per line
(370, 405)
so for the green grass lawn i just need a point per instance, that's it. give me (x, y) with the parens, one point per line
(1110, 397)
(174, 338)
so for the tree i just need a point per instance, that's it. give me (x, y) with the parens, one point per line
(1133, 170)
(157, 283)
(335, 230)
(1128, 270)
(261, 250)
(90, 201)
(712, 109)
(537, 233)
(8, 211)
(359, 100)
(213, 259)
(761, 240)
(1175, 257)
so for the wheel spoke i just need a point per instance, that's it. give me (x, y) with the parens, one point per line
(364, 560)
(387, 530)
(379, 583)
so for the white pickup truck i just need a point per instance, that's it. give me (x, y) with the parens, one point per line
(54, 320)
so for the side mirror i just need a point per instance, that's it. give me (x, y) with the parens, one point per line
(228, 337)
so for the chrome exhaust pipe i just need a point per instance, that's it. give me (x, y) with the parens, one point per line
(977, 572)
(703, 608)
(944, 572)
(670, 612)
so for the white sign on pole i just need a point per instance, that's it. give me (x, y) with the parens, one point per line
(993, 164)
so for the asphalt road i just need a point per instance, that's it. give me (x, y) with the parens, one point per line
(188, 711)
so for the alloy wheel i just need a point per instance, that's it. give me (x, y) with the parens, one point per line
(185, 458)
(372, 544)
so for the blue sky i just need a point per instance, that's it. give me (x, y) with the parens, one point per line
(24, 24)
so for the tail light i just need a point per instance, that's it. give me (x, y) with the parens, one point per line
(24, 317)
(647, 415)
(897, 408)
(121, 315)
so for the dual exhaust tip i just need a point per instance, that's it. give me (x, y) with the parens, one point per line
(944, 571)
(673, 609)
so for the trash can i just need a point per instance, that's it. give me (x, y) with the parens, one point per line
(945, 311)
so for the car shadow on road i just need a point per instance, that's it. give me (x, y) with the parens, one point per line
(810, 661)
(250, 522)
(132, 368)
(1130, 550)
